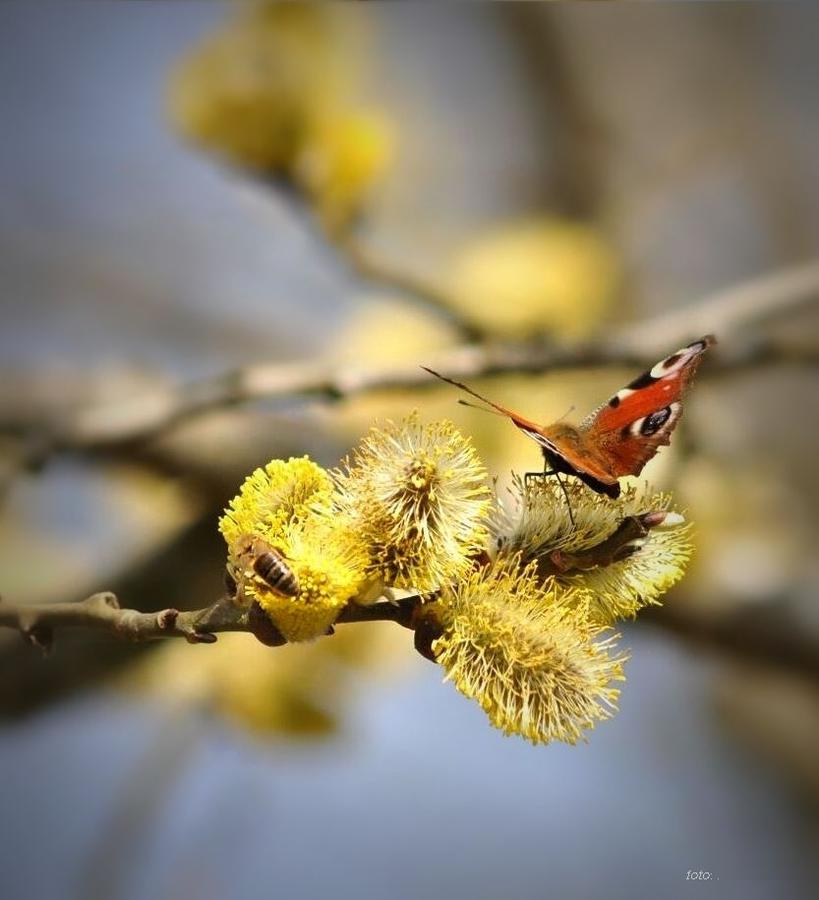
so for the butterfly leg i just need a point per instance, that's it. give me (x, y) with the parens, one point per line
(545, 474)
(566, 495)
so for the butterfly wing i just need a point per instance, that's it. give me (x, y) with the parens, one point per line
(621, 436)
(626, 432)
(562, 441)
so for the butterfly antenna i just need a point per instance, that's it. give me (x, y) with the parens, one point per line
(566, 495)
(463, 387)
(486, 409)
(569, 410)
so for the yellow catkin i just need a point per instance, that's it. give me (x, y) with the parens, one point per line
(273, 91)
(417, 494)
(343, 155)
(249, 90)
(535, 667)
(530, 276)
(328, 561)
(289, 506)
(535, 522)
(273, 496)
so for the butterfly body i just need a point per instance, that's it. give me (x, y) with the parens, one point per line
(567, 449)
(623, 434)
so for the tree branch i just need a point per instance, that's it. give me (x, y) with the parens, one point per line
(754, 638)
(102, 611)
(132, 421)
(739, 635)
(751, 303)
(765, 637)
(368, 266)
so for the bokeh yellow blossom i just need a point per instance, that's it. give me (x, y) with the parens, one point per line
(342, 156)
(303, 691)
(535, 276)
(526, 655)
(384, 331)
(418, 496)
(743, 555)
(247, 92)
(273, 91)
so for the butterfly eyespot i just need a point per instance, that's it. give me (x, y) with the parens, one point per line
(653, 423)
(622, 435)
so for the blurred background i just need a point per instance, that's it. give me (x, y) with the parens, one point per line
(206, 208)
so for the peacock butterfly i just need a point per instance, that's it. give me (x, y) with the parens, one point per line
(623, 434)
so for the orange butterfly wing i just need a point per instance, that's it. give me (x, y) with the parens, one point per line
(626, 432)
(621, 436)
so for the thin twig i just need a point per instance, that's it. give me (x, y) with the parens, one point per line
(743, 635)
(136, 420)
(368, 266)
(102, 611)
(765, 638)
(725, 313)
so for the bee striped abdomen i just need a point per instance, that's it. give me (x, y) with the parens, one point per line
(276, 574)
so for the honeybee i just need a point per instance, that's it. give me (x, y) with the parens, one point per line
(255, 554)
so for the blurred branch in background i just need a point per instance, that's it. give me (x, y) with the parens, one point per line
(765, 636)
(368, 266)
(733, 313)
(576, 139)
(124, 429)
(572, 189)
(750, 304)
